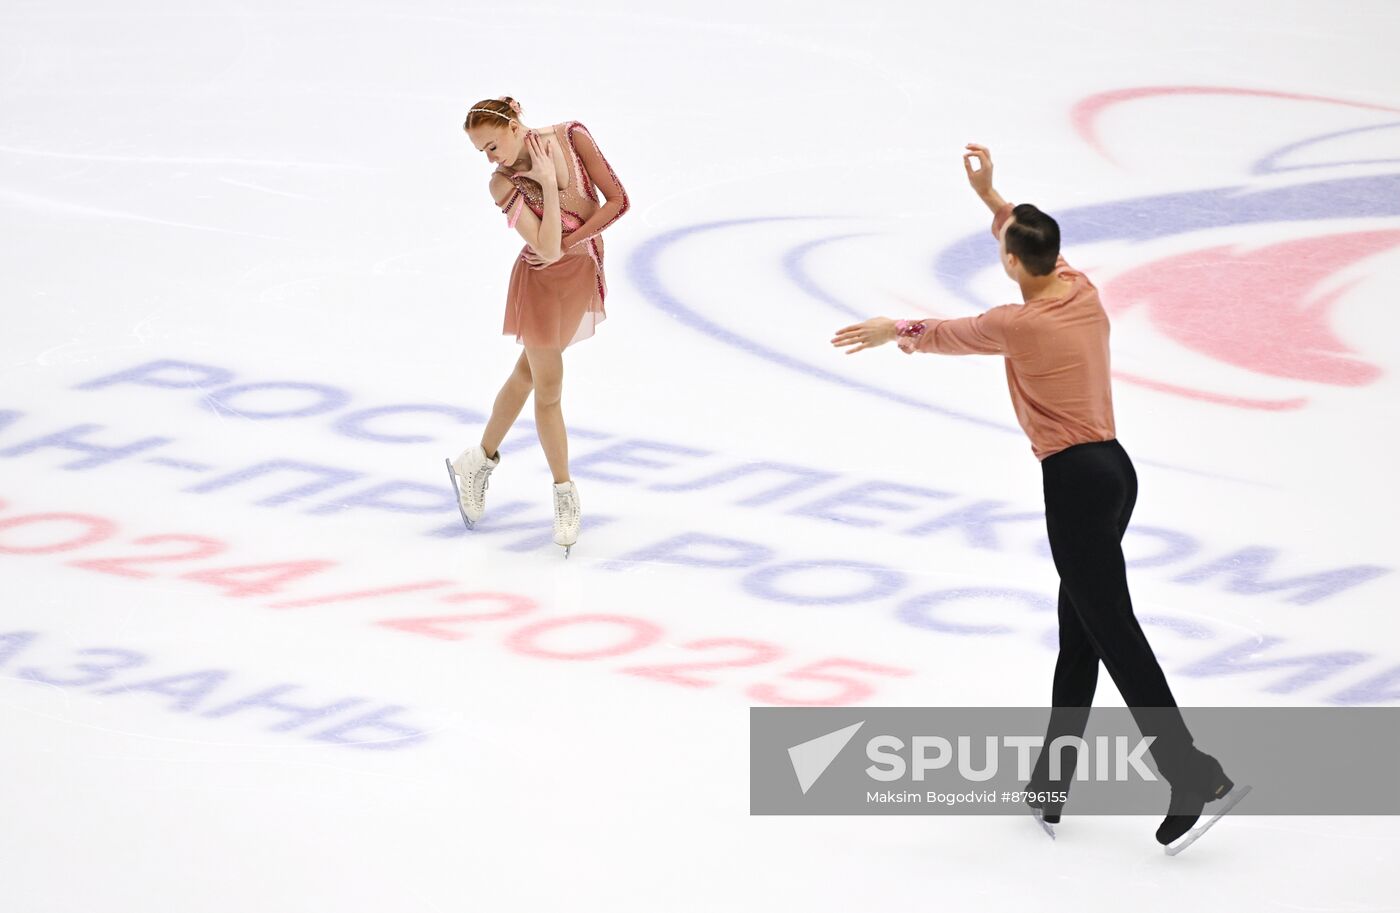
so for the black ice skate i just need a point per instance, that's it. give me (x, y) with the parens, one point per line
(1178, 831)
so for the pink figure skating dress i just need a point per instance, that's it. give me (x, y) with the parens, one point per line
(560, 304)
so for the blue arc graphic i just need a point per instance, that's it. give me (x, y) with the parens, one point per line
(1268, 164)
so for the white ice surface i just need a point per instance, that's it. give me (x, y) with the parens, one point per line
(283, 191)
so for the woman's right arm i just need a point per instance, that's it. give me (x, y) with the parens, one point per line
(523, 219)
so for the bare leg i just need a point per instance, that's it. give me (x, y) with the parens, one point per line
(509, 402)
(547, 369)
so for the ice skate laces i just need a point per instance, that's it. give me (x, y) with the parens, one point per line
(565, 506)
(481, 480)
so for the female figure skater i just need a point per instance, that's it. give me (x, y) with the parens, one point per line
(1056, 353)
(546, 182)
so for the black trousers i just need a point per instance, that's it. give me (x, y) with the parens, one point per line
(1090, 490)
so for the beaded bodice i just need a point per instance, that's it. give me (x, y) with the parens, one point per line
(579, 199)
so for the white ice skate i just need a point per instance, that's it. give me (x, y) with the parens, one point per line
(471, 474)
(567, 515)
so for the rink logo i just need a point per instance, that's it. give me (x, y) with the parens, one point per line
(811, 758)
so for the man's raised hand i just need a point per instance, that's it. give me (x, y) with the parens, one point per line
(981, 177)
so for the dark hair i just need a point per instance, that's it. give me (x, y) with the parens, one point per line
(493, 111)
(1035, 239)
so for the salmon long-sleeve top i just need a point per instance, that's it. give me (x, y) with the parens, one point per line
(1056, 355)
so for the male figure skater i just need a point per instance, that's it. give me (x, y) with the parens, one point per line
(1057, 366)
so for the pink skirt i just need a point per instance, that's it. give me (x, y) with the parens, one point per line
(558, 305)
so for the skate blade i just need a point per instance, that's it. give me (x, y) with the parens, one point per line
(1232, 798)
(1044, 825)
(452, 476)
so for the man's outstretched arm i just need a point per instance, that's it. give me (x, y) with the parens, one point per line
(984, 334)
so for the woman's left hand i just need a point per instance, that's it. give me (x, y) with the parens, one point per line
(535, 260)
(865, 335)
